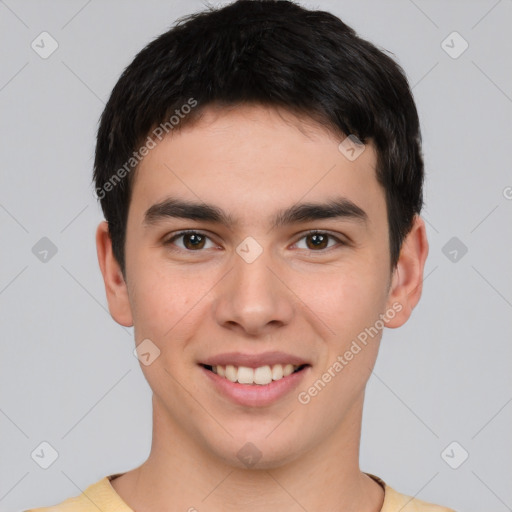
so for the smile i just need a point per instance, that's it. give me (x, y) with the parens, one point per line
(261, 375)
(255, 387)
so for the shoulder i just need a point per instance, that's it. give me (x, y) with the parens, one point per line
(405, 503)
(395, 501)
(98, 496)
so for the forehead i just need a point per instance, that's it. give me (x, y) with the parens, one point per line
(253, 159)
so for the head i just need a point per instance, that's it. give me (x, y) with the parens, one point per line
(242, 111)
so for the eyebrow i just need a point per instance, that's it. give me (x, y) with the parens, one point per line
(337, 208)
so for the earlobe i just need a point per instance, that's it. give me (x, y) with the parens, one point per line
(407, 281)
(115, 285)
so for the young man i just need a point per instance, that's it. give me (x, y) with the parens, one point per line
(260, 172)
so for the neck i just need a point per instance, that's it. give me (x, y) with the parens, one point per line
(181, 474)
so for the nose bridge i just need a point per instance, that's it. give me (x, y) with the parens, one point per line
(252, 272)
(251, 295)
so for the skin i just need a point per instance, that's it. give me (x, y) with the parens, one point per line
(312, 302)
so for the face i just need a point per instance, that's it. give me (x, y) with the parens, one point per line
(249, 285)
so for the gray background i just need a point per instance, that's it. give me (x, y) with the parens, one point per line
(68, 374)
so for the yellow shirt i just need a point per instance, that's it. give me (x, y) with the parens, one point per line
(102, 496)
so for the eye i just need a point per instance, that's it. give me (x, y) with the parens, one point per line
(319, 240)
(195, 241)
(192, 240)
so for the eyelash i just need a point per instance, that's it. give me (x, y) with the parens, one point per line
(170, 240)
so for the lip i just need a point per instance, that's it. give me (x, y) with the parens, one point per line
(254, 395)
(254, 360)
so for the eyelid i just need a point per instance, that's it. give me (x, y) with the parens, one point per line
(173, 236)
(341, 242)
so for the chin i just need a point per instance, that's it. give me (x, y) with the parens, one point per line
(257, 452)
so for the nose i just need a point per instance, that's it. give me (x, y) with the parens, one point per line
(254, 297)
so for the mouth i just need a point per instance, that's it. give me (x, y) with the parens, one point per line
(255, 387)
(254, 380)
(260, 376)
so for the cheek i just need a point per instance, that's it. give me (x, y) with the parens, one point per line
(349, 303)
(163, 302)
(347, 299)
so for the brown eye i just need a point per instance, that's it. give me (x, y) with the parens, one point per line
(317, 241)
(192, 241)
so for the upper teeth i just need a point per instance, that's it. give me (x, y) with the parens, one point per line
(260, 375)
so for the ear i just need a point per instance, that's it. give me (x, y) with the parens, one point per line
(115, 286)
(407, 281)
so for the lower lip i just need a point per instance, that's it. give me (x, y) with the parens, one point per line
(255, 395)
